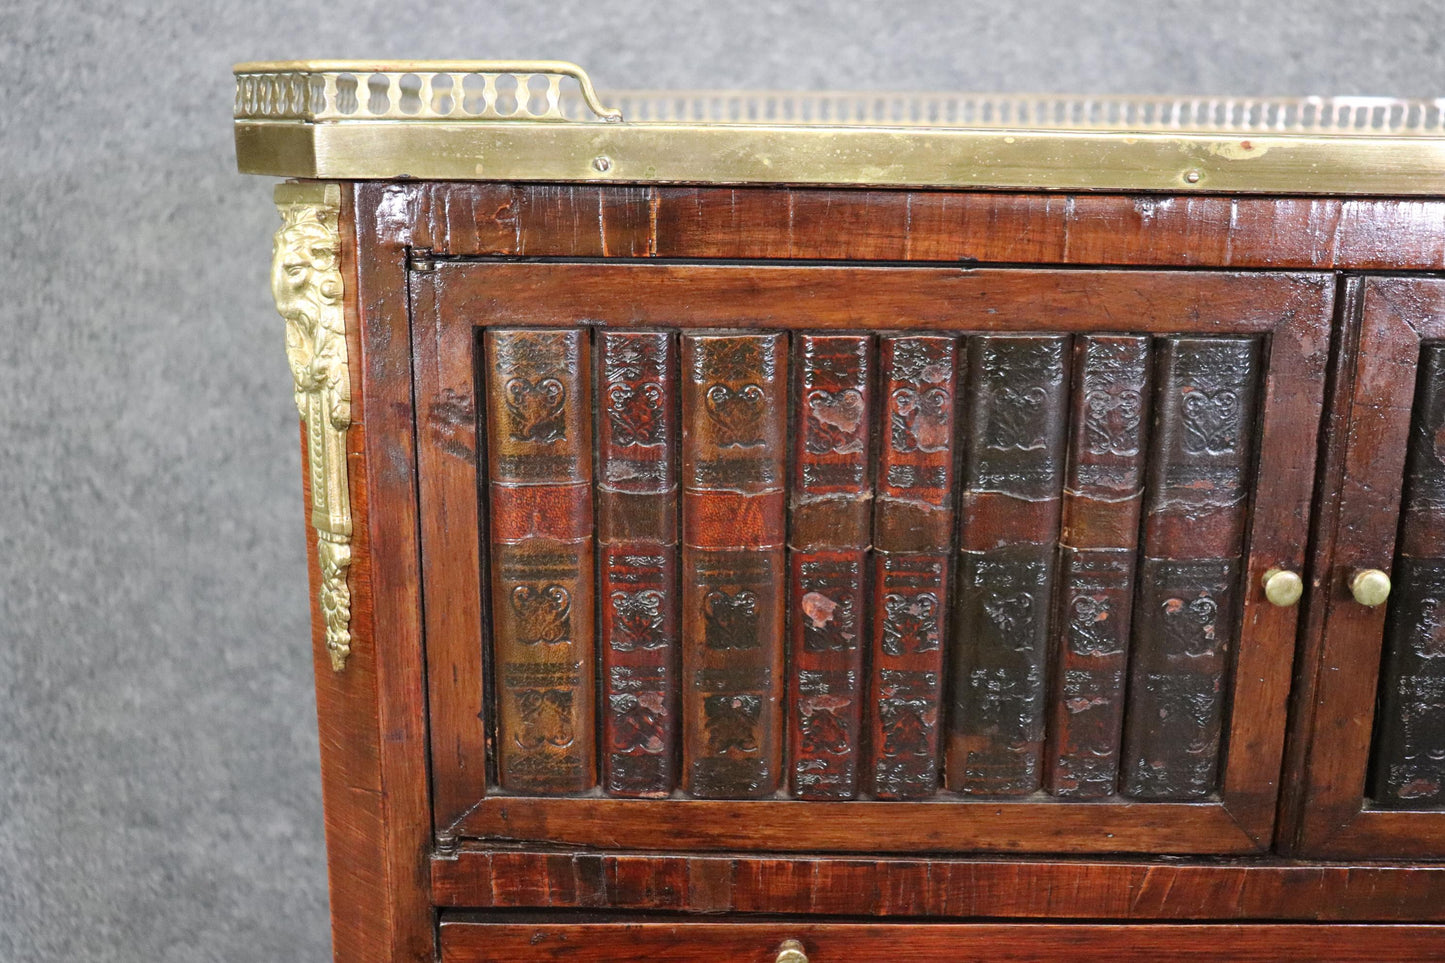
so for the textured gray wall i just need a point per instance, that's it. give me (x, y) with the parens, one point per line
(159, 797)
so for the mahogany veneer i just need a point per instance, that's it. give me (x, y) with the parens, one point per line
(427, 854)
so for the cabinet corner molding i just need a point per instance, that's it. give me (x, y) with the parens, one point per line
(307, 285)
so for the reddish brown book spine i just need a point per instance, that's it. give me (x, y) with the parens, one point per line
(1186, 613)
(1409, 763)
(912, 539)
(828, 552)
(539, 453)
(1098, 545)
(637, 532)
(1013, 458)
(734, 406)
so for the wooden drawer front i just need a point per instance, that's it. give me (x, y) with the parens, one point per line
(465, 942)
(976, 545)
(1371, 742)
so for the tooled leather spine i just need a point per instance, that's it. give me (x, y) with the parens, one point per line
(734, 406)
(1186, 610)
(1016, 406)
(912, 538)
(1098, 550)
(539, 455)
(827, 559)
(637, 532)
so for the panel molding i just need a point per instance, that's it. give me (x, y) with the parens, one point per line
(451, 300)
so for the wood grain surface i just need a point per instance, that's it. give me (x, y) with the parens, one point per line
(404, 731)
(1017, 887)
(1329, 812)
(372, 715)
(480, 220)
(647, 942)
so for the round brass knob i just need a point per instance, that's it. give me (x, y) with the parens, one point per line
(791, 951)
(1370, 587)
(1283, 587)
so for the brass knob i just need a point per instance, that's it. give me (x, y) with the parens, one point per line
(1283, 587)
(1370, 587)
(791, 951)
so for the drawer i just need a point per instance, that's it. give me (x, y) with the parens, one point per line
(783, 942)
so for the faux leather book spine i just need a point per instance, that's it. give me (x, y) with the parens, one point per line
(734, 407)
(1409, 758)
(637, 532)
(1186, 611)
(829, 535)
(1098, 549)
(912, 540)
(1013, 456)
(539, 444)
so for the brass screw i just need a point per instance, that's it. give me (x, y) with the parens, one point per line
(602, 164)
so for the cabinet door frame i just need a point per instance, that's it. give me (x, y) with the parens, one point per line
(1326, 811)
(454, 298)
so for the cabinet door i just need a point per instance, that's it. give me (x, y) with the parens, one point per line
(758, 557)
(1369, 741)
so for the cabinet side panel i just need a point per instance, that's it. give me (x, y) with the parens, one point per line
(350, 740)
(374, 788)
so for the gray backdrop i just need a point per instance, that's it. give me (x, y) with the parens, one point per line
(159, 797)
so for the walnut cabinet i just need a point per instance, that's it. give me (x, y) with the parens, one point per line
(1251, 767)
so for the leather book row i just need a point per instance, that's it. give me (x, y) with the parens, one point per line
(836, 566)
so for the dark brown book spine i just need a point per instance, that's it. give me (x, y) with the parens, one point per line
(637, 532)
(1098, 548)
(1409, 764)
(828, 552)
(539, 452)
(734, 407)
(912, 540)
(1013, 459)
(1186, 612)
